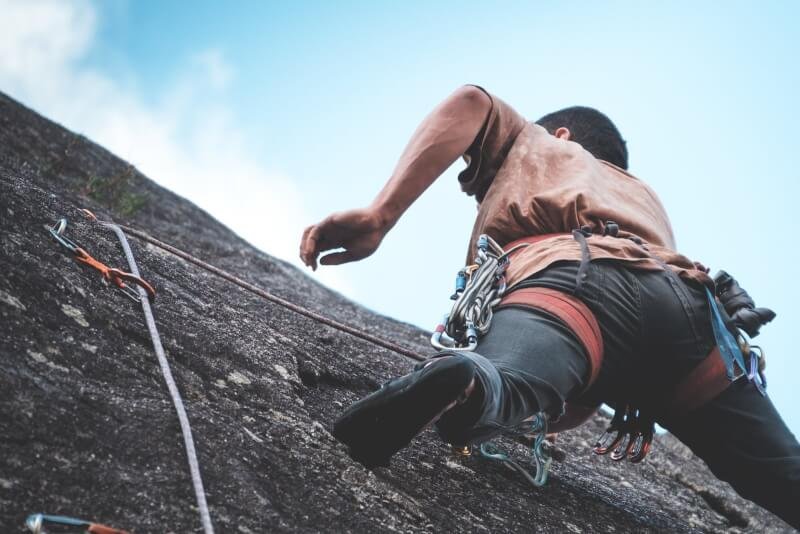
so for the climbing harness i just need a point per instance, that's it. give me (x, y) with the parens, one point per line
(479, 287)
(120, 279)
(725, 364)
(145, 293)
(36, 524)
(731, 359)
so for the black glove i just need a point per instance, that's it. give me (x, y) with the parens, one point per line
(740, 306)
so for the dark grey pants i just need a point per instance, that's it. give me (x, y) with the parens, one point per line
(655, 329)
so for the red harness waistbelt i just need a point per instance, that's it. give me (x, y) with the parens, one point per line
(707, 380)
(569, 310)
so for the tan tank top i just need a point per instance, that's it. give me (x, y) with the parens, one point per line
(528, 183)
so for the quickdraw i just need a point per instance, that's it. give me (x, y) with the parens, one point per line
(541, 453)
(120, 279)
(631, 423)
(479, 287)
(36, 524)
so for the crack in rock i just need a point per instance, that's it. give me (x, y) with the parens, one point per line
(716, 502)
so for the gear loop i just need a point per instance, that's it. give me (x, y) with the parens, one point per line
(479, 288)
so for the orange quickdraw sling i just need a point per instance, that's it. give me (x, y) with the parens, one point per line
(120, 279)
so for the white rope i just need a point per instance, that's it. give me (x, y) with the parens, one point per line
(186, 430)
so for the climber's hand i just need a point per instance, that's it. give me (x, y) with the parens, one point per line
(358, 232)
(740, 306)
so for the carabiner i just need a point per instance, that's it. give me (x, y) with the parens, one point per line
(634, 436)
(120, 279)
(640, 445)
(57, 231)
(614, 433)
(36, 523)
(621, 450)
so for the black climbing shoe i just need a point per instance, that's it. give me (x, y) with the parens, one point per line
(384, 422)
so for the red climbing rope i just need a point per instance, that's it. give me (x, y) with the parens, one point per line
(389, 345)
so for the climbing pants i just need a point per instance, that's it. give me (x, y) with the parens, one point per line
(655, 329)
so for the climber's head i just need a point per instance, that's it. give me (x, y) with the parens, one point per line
(591, 129)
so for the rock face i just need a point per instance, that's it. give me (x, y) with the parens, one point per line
(87, 428)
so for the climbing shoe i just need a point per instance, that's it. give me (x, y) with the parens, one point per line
(384, 422)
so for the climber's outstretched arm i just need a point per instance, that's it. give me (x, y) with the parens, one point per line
(441, 139)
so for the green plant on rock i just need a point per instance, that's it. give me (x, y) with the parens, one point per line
(115, 192)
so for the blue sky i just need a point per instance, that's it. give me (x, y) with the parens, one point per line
(271, 115)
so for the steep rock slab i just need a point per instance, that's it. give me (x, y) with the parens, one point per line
(87, 427)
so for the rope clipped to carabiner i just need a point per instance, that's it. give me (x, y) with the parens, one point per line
(143, 293)
(177, 401)
(479, 287)
(122, 280)
(541, 457)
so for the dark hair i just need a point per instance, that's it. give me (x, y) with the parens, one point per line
(592, 130)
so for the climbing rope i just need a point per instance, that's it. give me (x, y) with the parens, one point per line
(366, 336)
(144, 293)
(120, 230)
(186, 430)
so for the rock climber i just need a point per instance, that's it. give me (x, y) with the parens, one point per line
(601, 308)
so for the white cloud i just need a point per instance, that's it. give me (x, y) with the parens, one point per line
(42, 37)
(202, 155)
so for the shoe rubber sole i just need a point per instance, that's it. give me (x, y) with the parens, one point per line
(387, 420)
